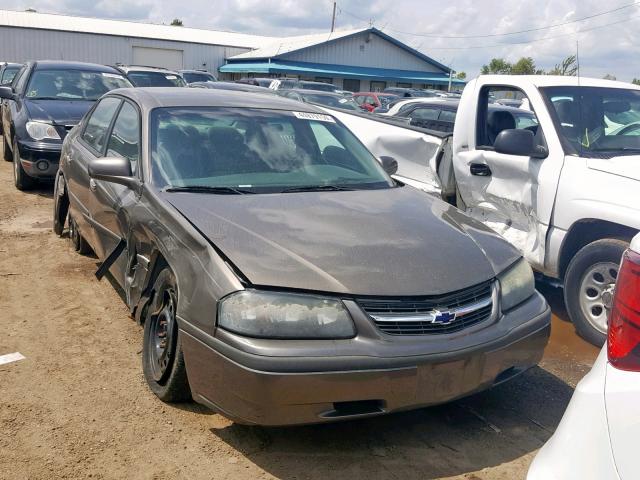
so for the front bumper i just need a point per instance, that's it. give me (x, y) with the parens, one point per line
(40, 159)
(251, 385)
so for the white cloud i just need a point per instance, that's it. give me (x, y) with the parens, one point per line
(605, 50)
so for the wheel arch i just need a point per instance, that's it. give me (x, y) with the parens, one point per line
(586, 231)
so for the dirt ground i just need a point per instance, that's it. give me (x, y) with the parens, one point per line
(77, 406)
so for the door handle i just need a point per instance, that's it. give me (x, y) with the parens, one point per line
(480, 169)
(93, 185)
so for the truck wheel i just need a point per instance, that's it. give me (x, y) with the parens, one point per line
(60, 205)
(591, 271)
(6, 152)
(21, 180)
(162, 359)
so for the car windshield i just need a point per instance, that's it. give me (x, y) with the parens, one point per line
(258, 151)
(597, 122)
(386, 100)
(331, 101)
(155, 79)
(191, 77)
(8, 74)
(323, 87)
(73, 84)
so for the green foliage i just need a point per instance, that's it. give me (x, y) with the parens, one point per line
(176, 22)
(636, 81)
(568, 67)
(608, 76)
(461, 75)
(497, 66)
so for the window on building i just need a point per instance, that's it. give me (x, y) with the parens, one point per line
(378, 86)
(403, 85)
(351, 85)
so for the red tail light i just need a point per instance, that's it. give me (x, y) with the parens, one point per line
(624, 320)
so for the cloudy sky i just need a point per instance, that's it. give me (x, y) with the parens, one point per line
(607, 43)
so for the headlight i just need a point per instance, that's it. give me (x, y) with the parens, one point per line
(284, 315)
(40, 131)
(516, 284)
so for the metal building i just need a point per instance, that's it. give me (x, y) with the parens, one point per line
(357, 60)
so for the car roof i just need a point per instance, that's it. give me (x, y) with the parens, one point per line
(379, 94)
(306, 91)
(244, 87)
(309, 82)
(194, 71)
(154, 97)
(59, 64)
(10, 64)
(557, 81)
(145, 68)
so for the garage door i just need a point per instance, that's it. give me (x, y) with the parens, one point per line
(157, 57)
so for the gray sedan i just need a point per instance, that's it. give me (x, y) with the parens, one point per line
(281, 275)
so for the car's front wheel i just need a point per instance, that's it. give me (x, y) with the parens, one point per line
(588, 281)
(60, 204)
(21, 179)
(162, 358)
(6, 151)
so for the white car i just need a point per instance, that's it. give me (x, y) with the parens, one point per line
(597, 438)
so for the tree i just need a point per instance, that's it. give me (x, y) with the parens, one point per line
(461, 75)
(497, 66)
(176, 22)
(608, 76)
(636, 81)
(525, 66)
(568, 67)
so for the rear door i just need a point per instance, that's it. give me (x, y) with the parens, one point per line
(108, 200)
(512, 194)
(90, 144)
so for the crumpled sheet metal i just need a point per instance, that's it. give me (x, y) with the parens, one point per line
(414, 151)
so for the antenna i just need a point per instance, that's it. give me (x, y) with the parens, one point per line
(578, 58)
(333, 18)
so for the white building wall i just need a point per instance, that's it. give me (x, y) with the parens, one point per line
(359, 52)
(23, 44)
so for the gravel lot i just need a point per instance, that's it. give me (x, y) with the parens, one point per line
(78, 407)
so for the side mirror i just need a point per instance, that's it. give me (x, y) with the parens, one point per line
(114, 170)
(7, 93)
(518, 142)
(389, 164)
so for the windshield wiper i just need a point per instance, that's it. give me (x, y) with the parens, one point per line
(208, 189)
(316, 188)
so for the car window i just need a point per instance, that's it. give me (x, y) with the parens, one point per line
(191, 77)
(424, 113)
(359, 99)
(71, 84)
(405, 110)
(125, 137)
(494, 118)
(8, 75)
(155, 79)
(95, 132)
(447, 116)
(260, 150)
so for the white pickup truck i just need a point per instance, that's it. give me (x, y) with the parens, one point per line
(565, 190)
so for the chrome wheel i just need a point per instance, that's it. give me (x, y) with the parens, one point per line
(597, 281)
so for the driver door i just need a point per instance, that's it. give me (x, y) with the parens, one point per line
(512, 194)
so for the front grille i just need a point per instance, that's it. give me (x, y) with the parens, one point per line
(431, 315)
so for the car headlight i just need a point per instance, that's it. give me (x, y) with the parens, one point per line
(41, 130)
(284, 315)
(516, 284)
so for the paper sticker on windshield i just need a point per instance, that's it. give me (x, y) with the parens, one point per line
(314, 116)
(343, 100)
(170, 77)
(111, 75)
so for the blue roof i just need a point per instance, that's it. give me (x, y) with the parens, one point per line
(343, 71)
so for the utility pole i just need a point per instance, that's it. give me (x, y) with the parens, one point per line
(578, 57)
(450, 75)
(333, 18)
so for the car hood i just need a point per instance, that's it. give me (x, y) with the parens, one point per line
(391, 242)
(58, 112)
(627, 166)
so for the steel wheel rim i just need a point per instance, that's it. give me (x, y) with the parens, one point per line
(596, 280)
(162, 336)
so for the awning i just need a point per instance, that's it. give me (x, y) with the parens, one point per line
(342, 71)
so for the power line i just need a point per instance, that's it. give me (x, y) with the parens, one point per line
(506, 44)
(537, 29)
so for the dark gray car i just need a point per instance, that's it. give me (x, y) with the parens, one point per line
(281, 275)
